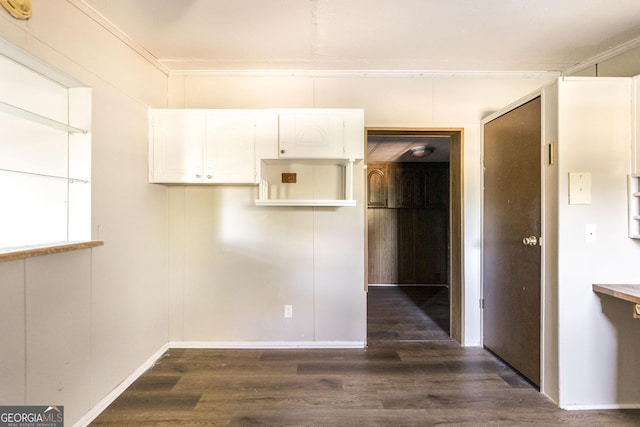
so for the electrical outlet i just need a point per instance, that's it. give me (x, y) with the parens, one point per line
(288, 311)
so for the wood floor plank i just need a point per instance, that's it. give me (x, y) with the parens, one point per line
(155, 383)
(255, 384)
(394, 382)
(156, 401)
(370, 354)
(392, 368)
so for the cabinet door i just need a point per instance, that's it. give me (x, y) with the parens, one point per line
(311, 134)
(230, 147)
(437, 187)
(176, 139)
(377, 186)
(409, 187)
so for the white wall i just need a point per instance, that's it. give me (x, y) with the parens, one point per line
(598, 338)
(237, 265)
(47, 357)
(79, 323)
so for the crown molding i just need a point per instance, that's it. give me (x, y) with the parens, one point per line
(601, 57)
(96, 16)
(370, 73)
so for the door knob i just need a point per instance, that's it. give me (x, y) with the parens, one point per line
(530, 241)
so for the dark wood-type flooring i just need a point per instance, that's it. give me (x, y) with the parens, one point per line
(411, 374)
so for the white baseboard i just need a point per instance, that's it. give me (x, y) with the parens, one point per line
(266, 344)
(609, 406)
(108, 400)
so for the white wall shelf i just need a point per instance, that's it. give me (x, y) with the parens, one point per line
(317, 182)
(634, 205)
(318, 203)
(36, 118)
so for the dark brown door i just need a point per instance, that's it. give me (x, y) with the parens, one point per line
(512, 209)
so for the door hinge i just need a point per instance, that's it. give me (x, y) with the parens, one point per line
(481, 303)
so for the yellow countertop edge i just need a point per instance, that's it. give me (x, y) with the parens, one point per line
(12, 254)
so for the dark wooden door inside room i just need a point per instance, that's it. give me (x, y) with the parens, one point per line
(512, 212)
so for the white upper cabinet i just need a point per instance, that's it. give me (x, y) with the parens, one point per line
(321, 133)
(209, 146)
(176, 139)
(206, 146)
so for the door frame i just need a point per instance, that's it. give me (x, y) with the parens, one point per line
(456, 234)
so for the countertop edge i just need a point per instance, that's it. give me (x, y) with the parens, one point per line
(628, 292)
(53, 248)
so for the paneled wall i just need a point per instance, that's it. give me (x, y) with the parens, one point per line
(46, 329)
(234, 266)
(89, 319)
(408, 223)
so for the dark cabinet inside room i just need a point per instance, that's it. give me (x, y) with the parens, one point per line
(377, 186)
(408, 221)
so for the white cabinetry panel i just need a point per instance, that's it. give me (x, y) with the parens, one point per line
(230, 147)
(227, 146)
(321, 133)
(176, 138)
(209, 146)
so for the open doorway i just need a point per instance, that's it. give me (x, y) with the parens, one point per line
(414, 238)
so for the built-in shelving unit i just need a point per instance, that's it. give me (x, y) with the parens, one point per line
(298, 157)
(634, 205)
(311, 182)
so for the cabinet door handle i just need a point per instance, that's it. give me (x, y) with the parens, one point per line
(209, 177)
(198, 176)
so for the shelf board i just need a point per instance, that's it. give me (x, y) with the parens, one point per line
(328, 203)
(309, 161)
(36, 118)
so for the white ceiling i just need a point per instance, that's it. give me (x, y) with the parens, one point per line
(408, 35)
(505, 37)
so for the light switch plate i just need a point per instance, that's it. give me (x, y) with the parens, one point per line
(579, 188)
